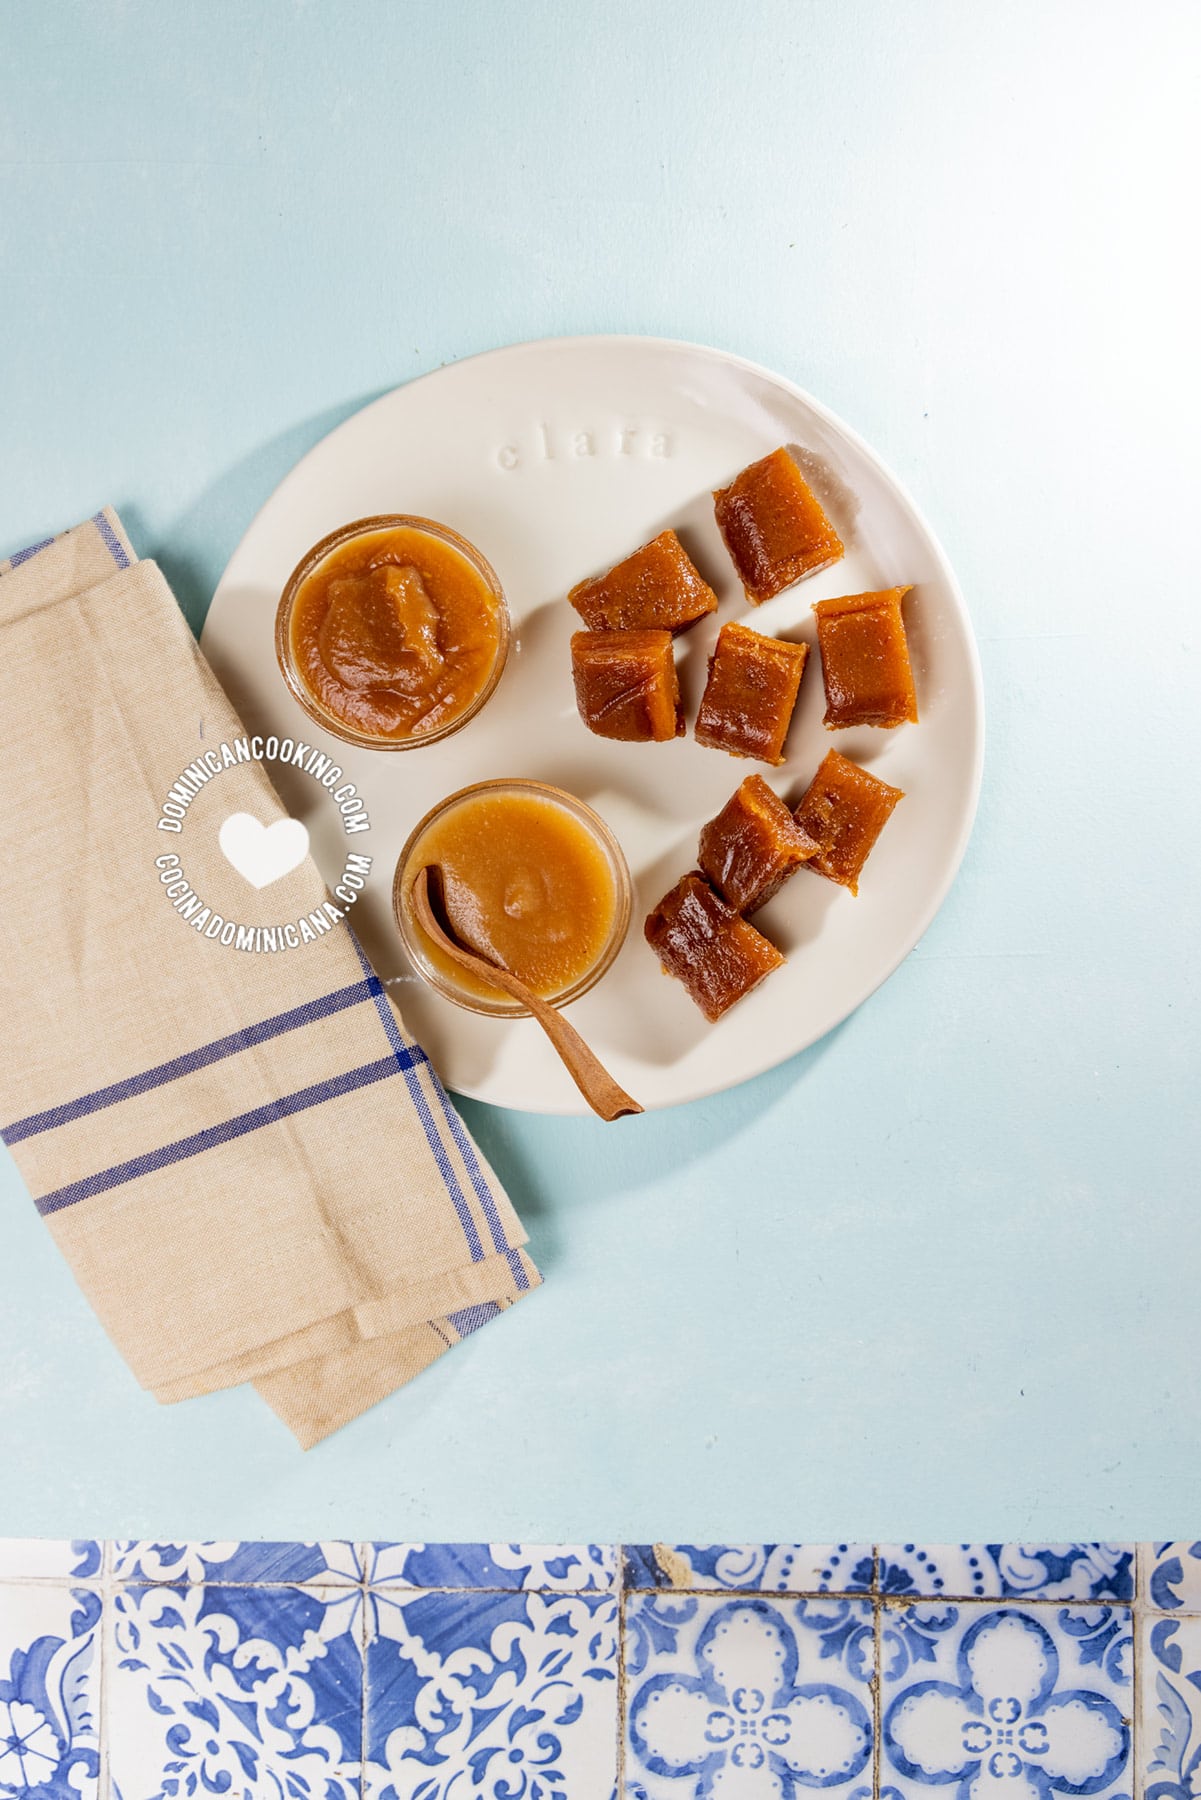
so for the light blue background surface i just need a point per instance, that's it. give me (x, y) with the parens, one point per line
(938, 1274)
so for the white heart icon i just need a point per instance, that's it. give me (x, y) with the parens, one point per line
(263, 853)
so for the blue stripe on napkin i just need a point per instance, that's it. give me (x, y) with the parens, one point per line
(112, 544)
(433, 1136)
(22, 556)
(225, 1133)
(479, 1181)
(191, 1060)
(464, 1145)
(521, 1279)
(470, 1318)
(115, 547)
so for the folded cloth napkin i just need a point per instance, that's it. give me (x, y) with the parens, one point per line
(250, 1166)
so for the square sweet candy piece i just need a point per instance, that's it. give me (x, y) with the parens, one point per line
(750, 694)
(657, 588)
(752, 847)
(709, 947)
(845, 809)
(774, 526)
(626, 685)
(865, 660)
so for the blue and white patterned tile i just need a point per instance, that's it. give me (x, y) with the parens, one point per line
(1170, 1708)
(750, 1568)
(236, 1564)
(491, 1696)
(51, 1559)
(1007, 1571)
(1172, 1576)
(238, 1691)
(749, 1698)
(533, 1568)
(49, 1692)
(1003, 1701)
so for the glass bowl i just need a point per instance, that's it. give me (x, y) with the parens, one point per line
(312, 560)
(409, 862)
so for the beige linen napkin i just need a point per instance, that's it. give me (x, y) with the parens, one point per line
(251, 1168)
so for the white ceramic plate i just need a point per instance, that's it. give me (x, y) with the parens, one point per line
(558, 458)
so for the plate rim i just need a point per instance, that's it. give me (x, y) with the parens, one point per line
(652, 342)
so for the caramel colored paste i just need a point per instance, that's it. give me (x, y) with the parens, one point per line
(525, 883)
(395, 634)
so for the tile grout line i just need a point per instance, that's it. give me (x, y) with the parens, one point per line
(776, 1593)
(1141, 1582)
(915, 1597)
(107, 1626)
(619, 1577)
(325, 1587)
(1016, 1602)
(360, 1551)
(877, 1676)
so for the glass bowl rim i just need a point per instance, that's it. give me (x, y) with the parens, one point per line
(312, 560)
(623, 897)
